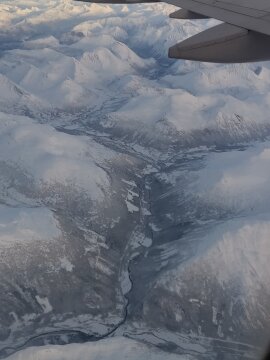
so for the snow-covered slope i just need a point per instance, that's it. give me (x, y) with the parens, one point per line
(134, 197)
(111, 349)
(50, 157)
(221, 292)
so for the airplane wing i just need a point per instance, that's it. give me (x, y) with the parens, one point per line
(244, 35)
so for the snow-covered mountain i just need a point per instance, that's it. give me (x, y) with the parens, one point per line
(134, 197)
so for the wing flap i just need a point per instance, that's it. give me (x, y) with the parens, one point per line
(223, 43)
(186, 15)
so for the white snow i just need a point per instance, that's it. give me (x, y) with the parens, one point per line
(118, 348)
(125, 282)
(23, 225)
(66, 264)
(44, 303)
(237, 179)
(236, 252)
(52, 157)
(131, 207)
